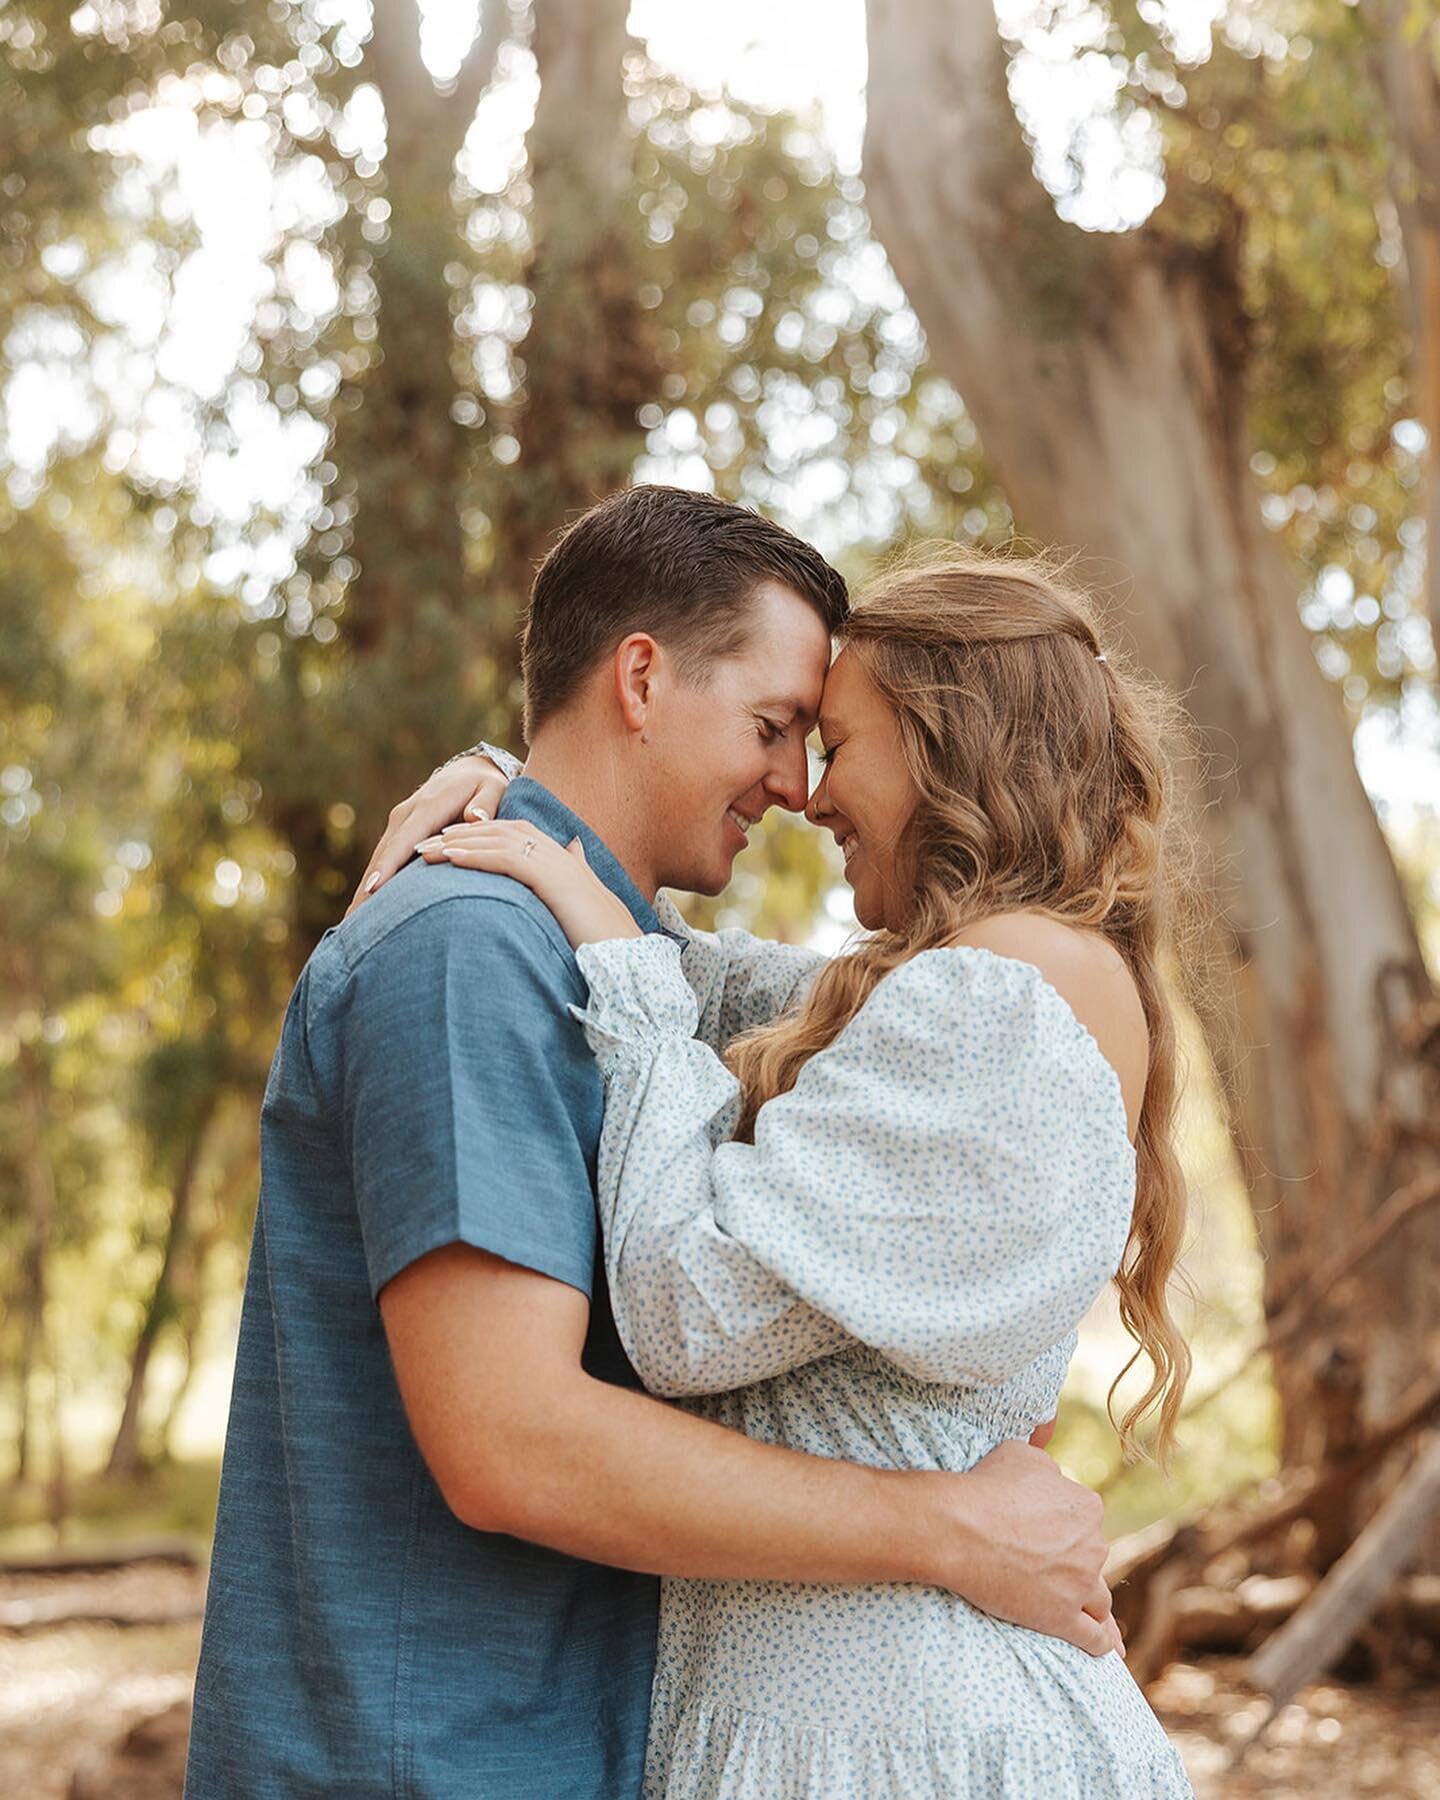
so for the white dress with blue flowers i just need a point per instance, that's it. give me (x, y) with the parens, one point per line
(892, 1273)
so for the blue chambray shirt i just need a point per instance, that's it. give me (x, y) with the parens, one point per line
(429, 1088)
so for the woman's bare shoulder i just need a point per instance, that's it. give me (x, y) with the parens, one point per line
(1089, 974)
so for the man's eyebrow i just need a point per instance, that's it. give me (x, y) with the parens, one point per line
(788, 703)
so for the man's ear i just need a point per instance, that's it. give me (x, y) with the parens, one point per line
(635, 664)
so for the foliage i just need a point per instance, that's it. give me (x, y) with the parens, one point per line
(250, 595)
(1277, 159)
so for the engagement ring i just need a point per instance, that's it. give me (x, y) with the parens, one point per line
(529, 846)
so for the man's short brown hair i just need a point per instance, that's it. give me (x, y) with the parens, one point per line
(679, 565)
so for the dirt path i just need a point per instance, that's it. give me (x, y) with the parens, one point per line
(70, 1691)
(1334, 1742)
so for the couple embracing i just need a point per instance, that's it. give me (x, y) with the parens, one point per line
(593, 1249)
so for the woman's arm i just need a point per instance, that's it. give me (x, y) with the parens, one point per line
(740, 980)
(948, 1182)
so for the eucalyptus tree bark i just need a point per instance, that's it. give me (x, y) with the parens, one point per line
(412, 624)
(402, 446)
(1410, 80)
(591, 359)
(1106, 376)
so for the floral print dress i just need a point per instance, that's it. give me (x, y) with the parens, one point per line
(892, 1273)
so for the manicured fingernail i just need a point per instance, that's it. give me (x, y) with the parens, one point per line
(476, 812)
(372, 883)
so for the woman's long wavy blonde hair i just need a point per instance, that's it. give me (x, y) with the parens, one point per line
(1044, 774)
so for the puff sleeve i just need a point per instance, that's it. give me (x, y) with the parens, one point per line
(949, 1182)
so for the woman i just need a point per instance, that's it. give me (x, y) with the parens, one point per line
(872, 1230)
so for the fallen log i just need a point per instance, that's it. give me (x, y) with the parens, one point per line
(1148, 1570)
(23, 1618)
(101, 1559)
(1325, 1625)
(147, 1764)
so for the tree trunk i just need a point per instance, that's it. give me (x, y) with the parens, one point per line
(38, 1350)
(1105, 375)
(592, 358)
(124, 1456)
(1410, 82)
(241, 1163)
(432, 653)
(411, 627)
(31, 1289)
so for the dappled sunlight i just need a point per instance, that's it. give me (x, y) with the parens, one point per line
(311, 344)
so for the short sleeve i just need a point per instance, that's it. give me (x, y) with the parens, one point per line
(471, 1106)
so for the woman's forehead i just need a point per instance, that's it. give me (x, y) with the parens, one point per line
(844, 681)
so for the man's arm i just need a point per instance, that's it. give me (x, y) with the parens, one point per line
(521, 1440)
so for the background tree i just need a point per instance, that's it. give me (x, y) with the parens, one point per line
(656, 279)
(1123, 386)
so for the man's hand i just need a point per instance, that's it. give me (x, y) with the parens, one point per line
(1027, 1547)
(468, 788)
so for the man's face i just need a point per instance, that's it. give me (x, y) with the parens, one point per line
(723, 753)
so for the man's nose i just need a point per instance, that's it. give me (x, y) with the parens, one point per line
(789, 780)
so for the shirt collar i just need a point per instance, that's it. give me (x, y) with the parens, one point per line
(525, 798)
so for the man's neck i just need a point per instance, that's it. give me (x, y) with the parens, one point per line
(590, 778)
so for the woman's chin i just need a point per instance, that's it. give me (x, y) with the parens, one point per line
(867, 913)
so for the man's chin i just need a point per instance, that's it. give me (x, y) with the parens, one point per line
(709, 878)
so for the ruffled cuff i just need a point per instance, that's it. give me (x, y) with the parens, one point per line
(639, 997)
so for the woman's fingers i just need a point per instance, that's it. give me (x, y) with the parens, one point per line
(494, 832)
(504, 846)
(485, 801)
(442, 798)
(389, 855)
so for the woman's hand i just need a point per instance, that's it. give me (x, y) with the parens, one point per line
(471, 787)
(584, 907)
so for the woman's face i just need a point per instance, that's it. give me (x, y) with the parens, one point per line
(865, 795)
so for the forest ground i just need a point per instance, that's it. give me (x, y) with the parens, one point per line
(70, 1691)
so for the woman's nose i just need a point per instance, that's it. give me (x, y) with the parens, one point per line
(818, 804)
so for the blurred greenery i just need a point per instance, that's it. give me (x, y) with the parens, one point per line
(172, 1499)
(263, 561)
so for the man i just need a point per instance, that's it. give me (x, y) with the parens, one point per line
(444, 1501)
